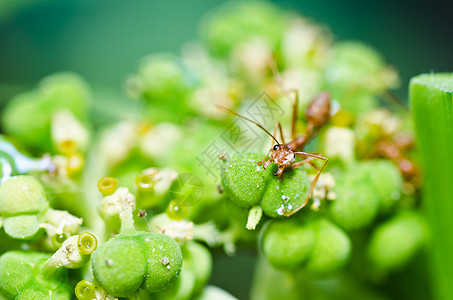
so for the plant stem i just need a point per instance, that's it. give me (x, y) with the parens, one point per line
(432, 102)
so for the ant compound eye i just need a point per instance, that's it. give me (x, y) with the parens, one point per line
(275, 147)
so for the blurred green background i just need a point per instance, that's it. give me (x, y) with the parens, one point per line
(104, 40)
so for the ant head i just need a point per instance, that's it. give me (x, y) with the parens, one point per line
(282, 155)
(280, 149)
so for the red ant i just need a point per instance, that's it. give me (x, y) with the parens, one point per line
(284, 154)
(394, 149)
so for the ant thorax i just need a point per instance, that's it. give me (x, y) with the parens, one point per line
(283, 156)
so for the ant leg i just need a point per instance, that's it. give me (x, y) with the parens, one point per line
(264, 159)
(279, 172)
(303, 162)
(315, 180)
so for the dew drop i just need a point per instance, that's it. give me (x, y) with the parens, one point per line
(109, 262)
(165, 261)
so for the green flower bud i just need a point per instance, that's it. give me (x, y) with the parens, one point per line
(243, 179)
(396, 241)
(356, 205)
(164, 261)
(120, 265)
(286, 244)
(356, 65)
(155, 85)
(286, 194)
(331, 250)
(213, 292)
(21, 120)
(116, 209)
(182, 289)
(65, 91)
(28, 116)
(237, 214)
(232, 24)
(387, 181)
(198, 259)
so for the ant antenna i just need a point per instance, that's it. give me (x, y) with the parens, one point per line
(223, 108)
(274, 69)
(392, 98)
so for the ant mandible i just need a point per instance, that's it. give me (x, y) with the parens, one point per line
(284, 154)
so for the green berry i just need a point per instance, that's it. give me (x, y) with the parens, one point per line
(182, 289)
(331, 250)
(243, 180)
(285, 195)
(286, 244)
(248, 184)
(164, 261)
(387, 181)
(120, 265)
(198, 259)
(394, 242)
(356, 205)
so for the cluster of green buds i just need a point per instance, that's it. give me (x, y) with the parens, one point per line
(132, 260)
(35, 275)
(61, 102)
(25, 211)
(172, 189)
